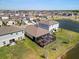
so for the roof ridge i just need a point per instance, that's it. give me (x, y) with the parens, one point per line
(37, 29)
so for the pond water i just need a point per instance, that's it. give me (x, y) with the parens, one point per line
(69, 25)
(73, 53)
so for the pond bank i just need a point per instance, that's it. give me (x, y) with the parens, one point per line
(63, 55)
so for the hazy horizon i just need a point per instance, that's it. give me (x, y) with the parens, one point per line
(39, 5)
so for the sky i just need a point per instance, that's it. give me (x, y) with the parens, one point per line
(39, 4)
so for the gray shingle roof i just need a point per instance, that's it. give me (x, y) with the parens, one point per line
(35, 31)
(8, 29)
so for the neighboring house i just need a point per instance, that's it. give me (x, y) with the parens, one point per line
(49, 25)
(5, 17)
(9, 34)
(31, 18)
(11, 22)
(5, 21)
(28, 22)
(17, 14)
(48, 17)
(1, 23)
(34, 22)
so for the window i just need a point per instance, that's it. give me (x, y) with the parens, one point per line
(19, 38)
(22, 31)
(16, 33)
(4, 42)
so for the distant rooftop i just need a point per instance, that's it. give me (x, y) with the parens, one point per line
(48, 22)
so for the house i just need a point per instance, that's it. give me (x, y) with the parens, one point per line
(35, 32)
(1, 23)
(5, 17)
(9, 34)
(39, 35)
(28, 22)
(50, 25)
(11, 22)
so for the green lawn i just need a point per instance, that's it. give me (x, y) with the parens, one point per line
(62, 36)
(26, 49)
(13, 52)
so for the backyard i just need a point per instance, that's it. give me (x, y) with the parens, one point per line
(26, 49)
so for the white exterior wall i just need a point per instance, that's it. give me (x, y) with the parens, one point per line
(33, 22)
(5, 17)
(8, 37)
(26, 22)
(16, 14)
(11, 22)
(1, 23)
(55, 26)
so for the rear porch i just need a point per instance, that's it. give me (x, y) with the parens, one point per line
(45, 39)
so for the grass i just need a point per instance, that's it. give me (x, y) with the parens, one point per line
(62, 36)
(13, 52)
(26, 49)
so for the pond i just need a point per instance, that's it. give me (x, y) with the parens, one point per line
(73, 53)
(69, 25)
